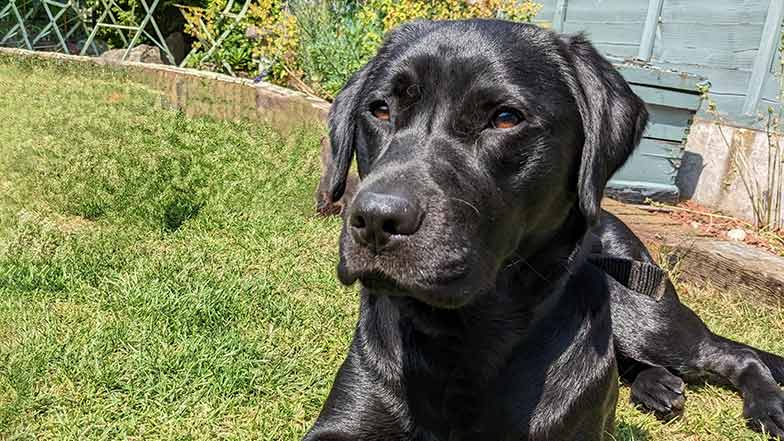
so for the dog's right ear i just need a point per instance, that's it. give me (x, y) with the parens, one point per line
(342, 131)
(613, 119)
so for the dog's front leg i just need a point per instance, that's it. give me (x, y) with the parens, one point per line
(763, 400)
(667, 334)
(358, 407)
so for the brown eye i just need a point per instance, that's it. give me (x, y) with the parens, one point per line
(380, 110)
(506, 119)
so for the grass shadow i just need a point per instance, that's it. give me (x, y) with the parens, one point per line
(630, 432)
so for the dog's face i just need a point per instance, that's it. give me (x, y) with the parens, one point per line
(475, 141)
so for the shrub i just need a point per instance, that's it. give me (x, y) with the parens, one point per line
(335, 41)
(131, 12)
(315, 45)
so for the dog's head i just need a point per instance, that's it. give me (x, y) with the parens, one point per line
(476, 141)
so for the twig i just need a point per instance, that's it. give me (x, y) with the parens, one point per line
(304, 88)
(660, 207)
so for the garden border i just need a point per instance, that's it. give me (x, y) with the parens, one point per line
(202, 93)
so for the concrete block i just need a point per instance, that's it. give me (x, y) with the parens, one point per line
(709, 173)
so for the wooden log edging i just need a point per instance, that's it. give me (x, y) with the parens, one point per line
(728, 265)
(704, 260)
(202, 93)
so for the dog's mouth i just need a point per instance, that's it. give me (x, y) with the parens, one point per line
(441, 272)
(451, 287)
(379, 281)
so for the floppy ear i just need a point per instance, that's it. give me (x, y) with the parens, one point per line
(342, 132)
(613, 119)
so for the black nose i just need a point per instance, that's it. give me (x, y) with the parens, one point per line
(377, 219)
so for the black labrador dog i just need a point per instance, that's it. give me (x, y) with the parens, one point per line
(483, 149)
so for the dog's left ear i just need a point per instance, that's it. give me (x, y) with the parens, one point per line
(342, 132)
(613, 119)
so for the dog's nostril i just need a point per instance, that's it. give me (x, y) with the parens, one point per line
(390, 226)
(357, 221)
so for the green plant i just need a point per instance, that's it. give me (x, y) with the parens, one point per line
(208, 22)
(315, 45)
(334, 43)
(132, 12)
(392, 13)
(337, 37)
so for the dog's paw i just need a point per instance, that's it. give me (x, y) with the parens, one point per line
(659, 391)
(764, 412)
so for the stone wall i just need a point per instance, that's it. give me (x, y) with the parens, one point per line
(708, 174)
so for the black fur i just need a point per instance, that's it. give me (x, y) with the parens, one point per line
(483, 320)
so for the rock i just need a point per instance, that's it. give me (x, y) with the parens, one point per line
(695, 225)
(97, 47)
(142, 53)
(736, 234)
(177, 46)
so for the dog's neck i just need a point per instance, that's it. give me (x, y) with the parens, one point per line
(440, 362)
(484, 332)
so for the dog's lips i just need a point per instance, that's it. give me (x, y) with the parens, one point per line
(381, 273)
(442, 282)
(383, 282)
(449, 289)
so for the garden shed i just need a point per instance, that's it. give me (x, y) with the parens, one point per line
(668, 50)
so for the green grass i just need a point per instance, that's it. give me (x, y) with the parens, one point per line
(165, 278)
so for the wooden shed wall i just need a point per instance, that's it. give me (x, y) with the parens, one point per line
(717, 39)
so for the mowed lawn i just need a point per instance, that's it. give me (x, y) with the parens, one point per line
(165, 278)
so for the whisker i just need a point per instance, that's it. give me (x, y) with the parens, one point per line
(467, 203)
(521, 260)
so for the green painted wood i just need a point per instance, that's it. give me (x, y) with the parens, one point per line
(607, 32)
(723, 81)
(719, 41)
(653, 161)
(771, 38)
(727, 90)
(670, 116)
(770, 87)
(649, 31)
(645, 74)
(621, 50)
(715, 11)
(609, 11)
(668, 123)
(666, 97)
(727, 46)
(612, 39)
(547, 11)
(675, 133)
(559, 15)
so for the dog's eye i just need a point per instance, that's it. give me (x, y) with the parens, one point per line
(380, 110)
(506, 119)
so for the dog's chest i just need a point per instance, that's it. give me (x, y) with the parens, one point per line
(523, 406)
(561, 384)
(463, 403)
